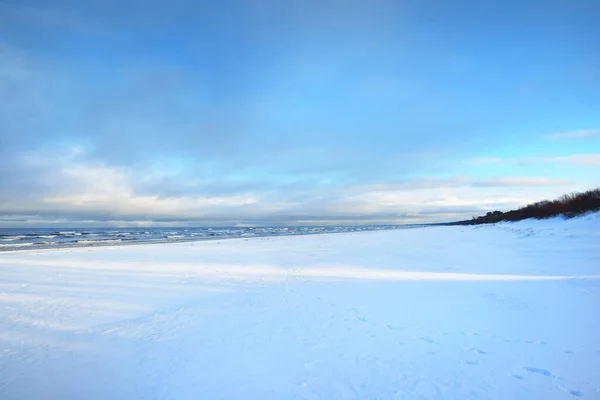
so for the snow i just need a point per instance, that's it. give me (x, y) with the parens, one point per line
(506, 311)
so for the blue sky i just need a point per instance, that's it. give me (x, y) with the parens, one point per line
(298, 112)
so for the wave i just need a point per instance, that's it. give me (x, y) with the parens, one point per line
(13, 238)
(15, 244)
(97, 241)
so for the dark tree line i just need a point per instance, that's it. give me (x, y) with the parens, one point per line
(568, 205)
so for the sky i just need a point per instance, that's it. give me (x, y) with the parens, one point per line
(265, 112)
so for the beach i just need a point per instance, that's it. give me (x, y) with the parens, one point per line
(488, 312)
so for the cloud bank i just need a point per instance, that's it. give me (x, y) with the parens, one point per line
(221, 113)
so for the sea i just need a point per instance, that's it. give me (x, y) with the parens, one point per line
(48, 238)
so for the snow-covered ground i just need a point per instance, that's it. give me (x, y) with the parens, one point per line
(510, 311)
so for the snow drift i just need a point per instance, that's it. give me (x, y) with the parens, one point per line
(488, 312)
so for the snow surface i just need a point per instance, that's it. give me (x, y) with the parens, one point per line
(510, 311)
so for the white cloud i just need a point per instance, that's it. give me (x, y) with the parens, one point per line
(522, 181)
(582, 159)
(431, 204)
(592, 160)
(90, 194)
(579, 134)
(100, 190)
(425, 182)
(487, 160)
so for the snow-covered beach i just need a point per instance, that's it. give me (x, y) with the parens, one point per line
(507, 311)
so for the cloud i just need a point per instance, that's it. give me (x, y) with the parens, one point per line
(588, 160)
(522, 181)
(154, 141)
(487, 160)
(580, 134)
(103, 192)
(425, 182)
(592, 160)
(263, 113)
(67, 188)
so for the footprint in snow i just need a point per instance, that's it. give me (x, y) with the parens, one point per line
(478, 351)
(427, 340)
(574, 393)
(535, 342)
(540, 371)
(474, 362)
(517, 376)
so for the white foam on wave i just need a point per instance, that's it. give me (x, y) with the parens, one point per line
(11, 238)
(98, 241)
(15, 244)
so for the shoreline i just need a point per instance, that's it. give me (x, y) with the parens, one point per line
(33, 248)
